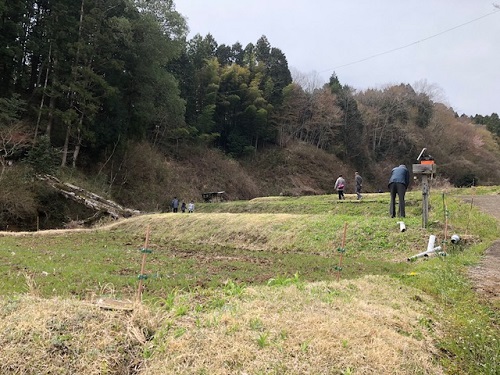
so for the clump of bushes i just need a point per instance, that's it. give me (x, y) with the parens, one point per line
(18, 203)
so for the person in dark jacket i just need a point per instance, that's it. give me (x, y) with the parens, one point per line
(398, 183)
(175, 204)
(358, 183)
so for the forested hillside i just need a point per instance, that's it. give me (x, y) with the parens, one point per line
(112, 96)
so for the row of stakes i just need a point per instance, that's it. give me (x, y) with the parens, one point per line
(431, 250)
(145, 250)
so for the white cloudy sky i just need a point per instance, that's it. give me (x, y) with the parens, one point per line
(451, 44)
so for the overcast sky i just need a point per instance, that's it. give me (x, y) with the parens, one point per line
(451, 44)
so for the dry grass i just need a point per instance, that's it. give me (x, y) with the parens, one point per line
(371, 325)
(252, 232)
(56, 336)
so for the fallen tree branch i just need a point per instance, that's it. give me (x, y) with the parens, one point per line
(87, 198)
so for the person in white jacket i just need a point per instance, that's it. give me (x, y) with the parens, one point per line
(191, 207)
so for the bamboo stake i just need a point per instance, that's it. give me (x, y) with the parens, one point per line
(446, 214)
(342, 251)
(143, 266)
(471, 204)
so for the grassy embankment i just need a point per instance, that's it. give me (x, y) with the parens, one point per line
(252, 287)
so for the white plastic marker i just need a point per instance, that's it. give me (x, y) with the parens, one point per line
(402, 226)
(430, 244)
(431, 250)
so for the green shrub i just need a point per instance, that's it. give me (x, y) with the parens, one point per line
(43, 157)
(467, 180)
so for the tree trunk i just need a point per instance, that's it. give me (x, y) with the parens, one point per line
(43, 93)
(75, 153)
(88, 198)
(78, 141)
(2, 163)
(72, 96)
(52, 101)
(65, 147)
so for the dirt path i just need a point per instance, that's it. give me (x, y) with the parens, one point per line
(486, 275)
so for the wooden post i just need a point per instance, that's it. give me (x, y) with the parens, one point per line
(424, 171)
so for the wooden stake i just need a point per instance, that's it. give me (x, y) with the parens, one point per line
(342, 251)
(143, 266)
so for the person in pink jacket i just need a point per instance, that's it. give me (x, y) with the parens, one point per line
(340, 186)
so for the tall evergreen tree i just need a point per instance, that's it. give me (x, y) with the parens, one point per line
(237, 53)
(352, 122)
(279, 74)
(12, 38)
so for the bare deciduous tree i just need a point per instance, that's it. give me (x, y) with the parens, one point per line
(432, 90)
(308, 81)
(13, 138)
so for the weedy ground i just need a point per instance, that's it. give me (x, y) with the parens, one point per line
(267, 286)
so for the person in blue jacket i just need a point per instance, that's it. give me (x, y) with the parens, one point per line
(174, 204)
(398, 183)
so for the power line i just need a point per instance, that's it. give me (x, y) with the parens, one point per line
(411, 44)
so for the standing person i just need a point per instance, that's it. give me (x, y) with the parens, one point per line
(358, 181)
(191, 207)
(398, 183)
(175, 204)
(183, 207)
(339, 186)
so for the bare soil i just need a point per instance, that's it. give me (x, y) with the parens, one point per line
(486, 275)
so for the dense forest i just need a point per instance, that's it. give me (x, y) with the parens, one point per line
(112, 95)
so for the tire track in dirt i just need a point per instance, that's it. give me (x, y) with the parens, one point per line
(486, 275)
